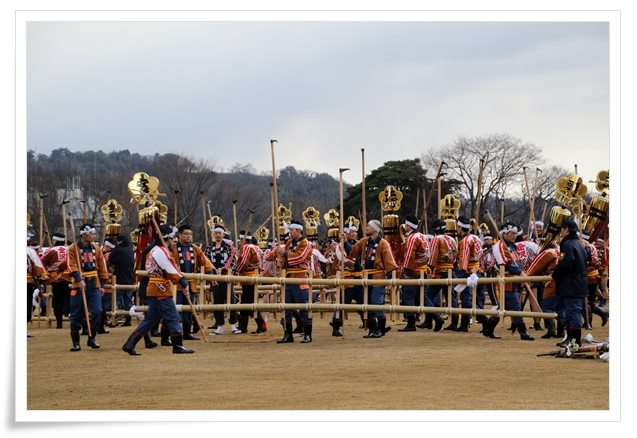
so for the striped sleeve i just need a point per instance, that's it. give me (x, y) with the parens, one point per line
(300, 254)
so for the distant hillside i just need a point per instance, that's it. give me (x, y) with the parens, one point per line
(192, 187)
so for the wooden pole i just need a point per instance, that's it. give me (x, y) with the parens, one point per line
(64, 222)
(363, 199)
(234, 223)
(114, 301)
(85, 210)
(274, 188)
(479, 191)
(501, 210)
(175, 215)
(203, 209)
(273, 215)
(423, 218)
(417, 200)
(439, 197)
(42, 219)
(528, 194)
(341, 220)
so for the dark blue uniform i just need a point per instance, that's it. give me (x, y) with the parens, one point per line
(570, 279)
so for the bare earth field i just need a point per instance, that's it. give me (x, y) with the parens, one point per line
(419, 370)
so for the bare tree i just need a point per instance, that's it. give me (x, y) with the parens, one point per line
(498, 158)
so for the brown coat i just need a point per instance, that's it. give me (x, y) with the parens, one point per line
(101, 273)
(384, 260)
(200, 260)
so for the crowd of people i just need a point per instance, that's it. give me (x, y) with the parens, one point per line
(78, 271)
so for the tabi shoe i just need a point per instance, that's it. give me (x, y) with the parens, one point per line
(235, 330)
(165, 339)
(307, 333)
(427, 323)
(92, 343)
(219, 330)
(601, 313)
(438, 321)
(372, 327)
(524, 334)
(336, 324)
(464, 323)
(75, 338)
(129, 346)
(287, 336)
(187, 335)
(382, 328)
(550, 329)
(178, 347)
(148, 342)
(488, 328)
(411, 324)
(454, 323)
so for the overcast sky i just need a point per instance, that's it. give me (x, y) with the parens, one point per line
(221, 90)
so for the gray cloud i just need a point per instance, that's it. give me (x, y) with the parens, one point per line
(222, 90)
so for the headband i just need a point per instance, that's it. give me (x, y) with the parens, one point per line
(463, 225)
(374, 224)
(508, 228)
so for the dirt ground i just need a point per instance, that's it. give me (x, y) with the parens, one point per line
(419, 370)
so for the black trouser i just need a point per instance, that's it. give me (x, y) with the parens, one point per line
(61, 299)
(247, 297)
(30, 288)
(219, 293)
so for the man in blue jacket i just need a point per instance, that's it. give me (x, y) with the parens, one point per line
(571, 282)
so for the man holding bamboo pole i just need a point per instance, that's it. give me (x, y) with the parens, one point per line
(377, 261)
(506, 254)
(88, 269)
(162, 271)
(444, 252)
(248, 265)
(469, 251)
(416, 257)
(297, 254)
(190, 258)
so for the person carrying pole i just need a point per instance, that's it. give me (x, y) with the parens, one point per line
(88, 269)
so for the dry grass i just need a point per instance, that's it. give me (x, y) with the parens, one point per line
(418, 370)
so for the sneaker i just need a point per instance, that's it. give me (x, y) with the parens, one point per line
(234, 330)
(219, 331)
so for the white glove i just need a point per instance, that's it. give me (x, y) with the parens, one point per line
(133, 312)
(472, 281)
(36, 297)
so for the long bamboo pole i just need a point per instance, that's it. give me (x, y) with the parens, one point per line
(82, 289)
(363, 194)
(275, 191)
(203, 208)
(529, 195)
(340, 291)
(234, 223)
(42, 219)
(479, 191)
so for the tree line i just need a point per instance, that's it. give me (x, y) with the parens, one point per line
(488, 174)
